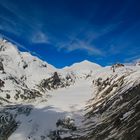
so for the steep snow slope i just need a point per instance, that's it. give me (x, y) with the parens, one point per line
(36, 70)
(24, 77)
(22, 63)
(113, 113)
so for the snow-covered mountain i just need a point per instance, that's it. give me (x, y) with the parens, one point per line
(84, 68)
(24, 76)
(81, 102)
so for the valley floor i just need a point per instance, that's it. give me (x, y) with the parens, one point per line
(62, 103)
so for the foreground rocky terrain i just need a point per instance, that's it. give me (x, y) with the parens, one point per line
(82, 102)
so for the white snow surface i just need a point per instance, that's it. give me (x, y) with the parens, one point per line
(61, 103)
(83, 68)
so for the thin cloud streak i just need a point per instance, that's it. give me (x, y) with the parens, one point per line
(74, 43)
(86, 44)
(81, 45)
(39, 37)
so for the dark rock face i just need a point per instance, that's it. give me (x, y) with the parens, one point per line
(117, 65)
(115, 117)
(1, 66)
(30, 94)
(1, 83)
(7, 96)
(23, 92)
(55, 81)
(66, 127)
(137, 63)
(25, 66)
(8, 122)
(51, 83)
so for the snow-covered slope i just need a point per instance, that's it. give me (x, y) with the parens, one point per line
(82, 69)
(22, 63)
(81, 102)
(113, 113)
(21, 72)
(25, 76)
(62, 104)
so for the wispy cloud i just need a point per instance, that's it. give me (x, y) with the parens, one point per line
(35, 33)
(81, 45)
(84, 39)
(39, 37)
(126, 42)
(30, 30)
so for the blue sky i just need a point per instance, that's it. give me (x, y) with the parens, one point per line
(62, 32)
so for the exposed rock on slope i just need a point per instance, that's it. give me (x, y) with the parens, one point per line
(56, 81)
(25, 77)
(8, 122)
(113, 114)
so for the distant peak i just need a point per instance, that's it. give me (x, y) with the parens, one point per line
(86, 62)
(83, 65)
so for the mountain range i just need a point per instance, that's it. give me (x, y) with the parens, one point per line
(84, 101)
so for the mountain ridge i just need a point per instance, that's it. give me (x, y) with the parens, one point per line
(81, 102)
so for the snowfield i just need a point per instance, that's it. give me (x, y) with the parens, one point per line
(69, 102)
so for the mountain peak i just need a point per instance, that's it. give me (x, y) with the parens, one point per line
(85, 64)
(83, 67)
